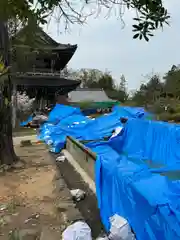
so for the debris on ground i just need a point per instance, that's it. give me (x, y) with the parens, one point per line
(32, 218)
(49, 142)
(3, 207)
(4, 168)
(120, 229)
(25, 143)
(76, 231)
(77, 194)
(61, 158)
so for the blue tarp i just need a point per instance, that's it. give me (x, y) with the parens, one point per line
(60, 112)
(133, 112)
(128, 167)
(66, 120)
(157, 142)
(25, 123)
(126, 184)
(63, 121)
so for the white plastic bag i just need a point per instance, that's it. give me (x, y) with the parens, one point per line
(77, 231)
(78, 194)
(49, 142)
(116, 132)
(61, 158)
(40, 118)
(120, 229)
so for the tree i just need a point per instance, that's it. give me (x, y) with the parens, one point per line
(94, 78)
(161, 97)
(89, 77)
(172, 82)
(118, 92)
(148, 93)
(150, 14)
(122, 85)
(139, 98)
(122, 89)
(7, 154)
(106, 82)
(153, 88)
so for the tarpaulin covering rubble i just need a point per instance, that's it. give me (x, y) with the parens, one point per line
(61, 111)
(134, 170)
(65, 120)
(126, 183)
(134, 112)
(25, 123)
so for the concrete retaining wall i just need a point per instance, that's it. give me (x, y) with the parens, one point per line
(82, 155)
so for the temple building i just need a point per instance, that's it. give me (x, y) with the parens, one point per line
(37, 62)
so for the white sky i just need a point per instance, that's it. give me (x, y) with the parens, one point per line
(103, 44)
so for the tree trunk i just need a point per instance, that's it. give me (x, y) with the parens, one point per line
(7, 154)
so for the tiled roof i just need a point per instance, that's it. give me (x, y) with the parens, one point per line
(95, 95)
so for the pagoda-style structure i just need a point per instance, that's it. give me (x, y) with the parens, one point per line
(37, 62)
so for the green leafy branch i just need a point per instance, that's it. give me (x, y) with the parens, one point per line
(151, 17)
(151, 14)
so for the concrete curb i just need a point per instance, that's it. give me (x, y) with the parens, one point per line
(81, 171)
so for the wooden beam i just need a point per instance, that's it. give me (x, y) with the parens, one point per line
(44, 81)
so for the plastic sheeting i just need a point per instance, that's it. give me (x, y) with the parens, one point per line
(126, 184)
(156, 143)
(133, 112)
(25, 123)
(75, 124)
(63, 120)
(60, 112)
(129, 167)
(66, 120)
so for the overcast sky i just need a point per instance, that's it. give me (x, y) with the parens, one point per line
(103, 44)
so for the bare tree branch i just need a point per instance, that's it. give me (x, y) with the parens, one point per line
(152, 14)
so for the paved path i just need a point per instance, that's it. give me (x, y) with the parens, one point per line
(17, 140)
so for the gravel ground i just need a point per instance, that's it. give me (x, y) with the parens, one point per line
(35, 202)
(88, 206)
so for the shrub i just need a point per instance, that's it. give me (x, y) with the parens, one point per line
(169, 117)
(165, 116)
(176, 117)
